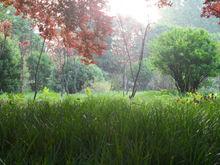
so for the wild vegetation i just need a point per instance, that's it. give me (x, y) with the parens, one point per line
(80, 84)
(109, 129)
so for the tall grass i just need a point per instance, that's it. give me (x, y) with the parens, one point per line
(108, 130)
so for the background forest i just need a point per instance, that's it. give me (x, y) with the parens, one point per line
(61, 70)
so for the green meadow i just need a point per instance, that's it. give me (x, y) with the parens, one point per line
(153, 128)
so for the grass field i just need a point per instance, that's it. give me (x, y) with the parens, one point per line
(109, 129)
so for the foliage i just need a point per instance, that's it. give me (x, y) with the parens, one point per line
(197, 98)
(81, 25)
(45, 69)
(109, 129)
(211, 8)
(189, 56)
(144, 77)
(47, 95)
(9, 65)
(211, 85)
(88, 91)
(101, 86)
(5, 28)
(21, 27)
(160, 81)
(78, 75)
(117, 82)
(182, 10)
(97, 73)
(109, 63)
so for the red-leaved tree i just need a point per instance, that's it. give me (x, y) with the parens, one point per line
(211, 8)
(5, 29)
(81, 24)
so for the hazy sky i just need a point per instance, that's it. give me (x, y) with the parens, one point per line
(137, 9)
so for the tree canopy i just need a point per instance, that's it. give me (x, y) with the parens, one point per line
(188, 55)
(82, 25)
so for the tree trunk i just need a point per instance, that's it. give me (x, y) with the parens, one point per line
(62, 79)
(65, 75)
(124, 80)
(22, 72)
(76, 72)
(134, 90)
(126, 49)
(37, 69)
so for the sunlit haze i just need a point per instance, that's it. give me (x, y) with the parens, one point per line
(137, 9)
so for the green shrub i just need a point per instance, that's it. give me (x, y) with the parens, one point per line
(45, 70)
(144, 77)
(76, 76)
(188, 55)
(9, 66)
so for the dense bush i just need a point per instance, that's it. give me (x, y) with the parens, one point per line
(188, 55)
(144, 77)
(9, 66)
(77, 75)
(45, 70)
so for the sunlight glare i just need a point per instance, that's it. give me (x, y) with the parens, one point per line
(137, 9)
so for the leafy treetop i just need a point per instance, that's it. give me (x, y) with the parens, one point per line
(211, 8)
(80, 24)
(188, 55)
